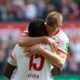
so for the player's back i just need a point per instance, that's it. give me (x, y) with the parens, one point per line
(32, 68)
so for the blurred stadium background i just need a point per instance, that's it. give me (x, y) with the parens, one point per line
(15, 16)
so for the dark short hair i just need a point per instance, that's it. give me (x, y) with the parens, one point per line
(37, 28)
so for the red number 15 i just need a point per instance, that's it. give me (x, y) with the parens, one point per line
(34, 65)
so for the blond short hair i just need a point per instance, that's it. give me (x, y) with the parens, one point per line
(54, 19)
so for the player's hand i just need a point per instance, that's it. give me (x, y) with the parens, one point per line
(51, 42)
(33, 50)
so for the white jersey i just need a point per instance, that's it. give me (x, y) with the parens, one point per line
(34, 68)
(61, 40)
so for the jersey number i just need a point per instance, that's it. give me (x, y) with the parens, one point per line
(34, 65)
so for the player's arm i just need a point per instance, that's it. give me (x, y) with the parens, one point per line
(49, 55)
(60, 49)
(25, 41)
(29, 41)
(56, 58)
(8, 70)
(11, 64)
(52, 57)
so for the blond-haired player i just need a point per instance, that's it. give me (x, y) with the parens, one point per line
(57, 38)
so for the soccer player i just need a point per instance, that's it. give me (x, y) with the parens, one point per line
(56, 37)
(34, 67)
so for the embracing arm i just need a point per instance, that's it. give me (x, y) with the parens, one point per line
(59, 53)
(11, 63)
(8, 70)
(52, 57)
(25, 41)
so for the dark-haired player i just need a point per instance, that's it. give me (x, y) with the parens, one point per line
(34, 67)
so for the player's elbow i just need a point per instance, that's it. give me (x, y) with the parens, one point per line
(20, 41)
(61, 63)
(58, 63)
(62, 60)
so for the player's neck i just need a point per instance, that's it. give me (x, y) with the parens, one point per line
(54, 32)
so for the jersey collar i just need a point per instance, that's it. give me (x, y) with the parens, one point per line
(56, 32)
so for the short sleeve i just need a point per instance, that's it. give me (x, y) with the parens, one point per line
(12, 59)
(63, 46)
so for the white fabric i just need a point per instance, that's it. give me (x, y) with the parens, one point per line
(62, 41)
(23, 62)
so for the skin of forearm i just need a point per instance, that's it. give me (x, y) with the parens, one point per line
(53, 62)
(8, 70)
(52, 57)
(29, 41)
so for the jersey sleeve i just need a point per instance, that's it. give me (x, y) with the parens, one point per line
(12, 59)
(64, 42)
(63, 46)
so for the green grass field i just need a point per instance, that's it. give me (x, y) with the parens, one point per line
(68, 77)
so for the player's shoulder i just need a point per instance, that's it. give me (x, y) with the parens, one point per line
(17, 48)
(63, 36)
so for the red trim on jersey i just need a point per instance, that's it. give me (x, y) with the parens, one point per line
(58, 42)
(56, 32)
(12, 56)
(61, 51)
